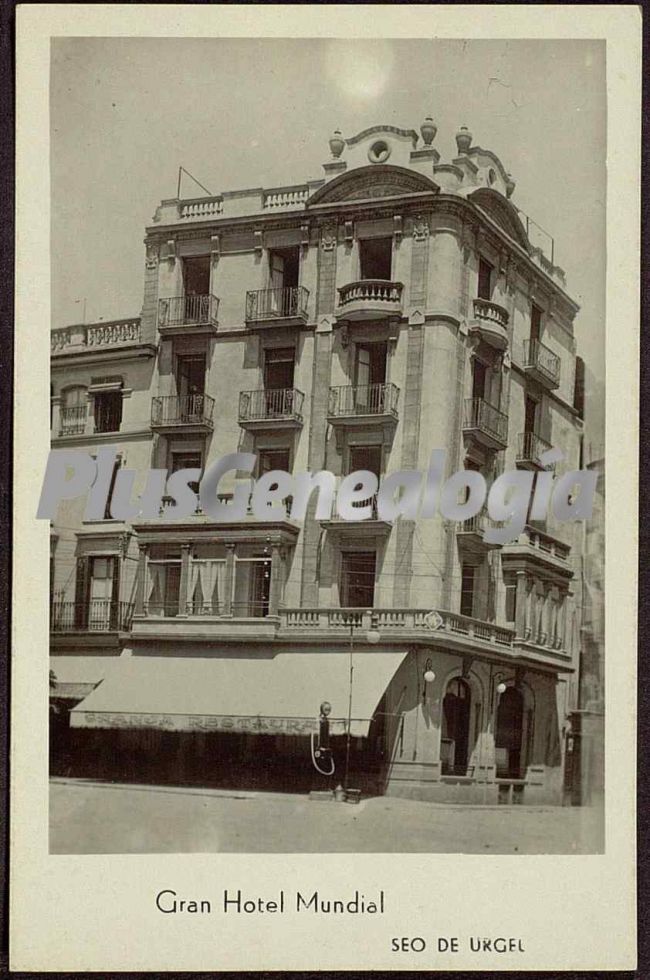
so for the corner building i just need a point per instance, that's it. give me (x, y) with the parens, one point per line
(396, 305)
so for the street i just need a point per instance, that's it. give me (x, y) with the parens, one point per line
(88, 817)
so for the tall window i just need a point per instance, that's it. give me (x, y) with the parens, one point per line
(467, 588)
(196, 275)
(357, 585)
(365, 458)
(456, 712)
(187, 461)
(530, 414)
(97, 592)
(108, 411)
(190, 384)
(273, 459)
(511, 602)
(163, 586)
(252, 586)
(535, 322)
(73, 411)
(376, 258)
(479, 379)
(284, 275)
(485, 271)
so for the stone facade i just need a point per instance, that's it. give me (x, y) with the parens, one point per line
(359, 321)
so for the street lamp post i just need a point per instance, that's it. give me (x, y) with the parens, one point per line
(372, 636)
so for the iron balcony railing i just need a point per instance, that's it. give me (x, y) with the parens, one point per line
(377, 399)
(530, 447)
(182, 311)
(479, 414)
(73, 420)
(540, 358)
(370, 291)
(271, 403)
(277, 303)
(92, 616)
(182, 410)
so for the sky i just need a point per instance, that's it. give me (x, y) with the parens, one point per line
(127, 112)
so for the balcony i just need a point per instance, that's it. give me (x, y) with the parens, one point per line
(369, 299)
(530, 447)
(363, 406)
(534, 550)
(454, 633)
(541, 364)
(73, 420)
(187, 314)
(93, 616)
(190, 413)
(471, 534)
(486, 424)
(372, 527)
(284, 306)
(490, 323)
(86, 338)
(273, 409)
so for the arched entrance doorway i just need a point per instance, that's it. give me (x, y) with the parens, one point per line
(454, 743)
(509, 734)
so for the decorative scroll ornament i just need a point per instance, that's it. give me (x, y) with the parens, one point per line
(328, 238)
(420, 228)
(151, 260)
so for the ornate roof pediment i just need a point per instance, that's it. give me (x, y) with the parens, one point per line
(372, 182)
(502, 212)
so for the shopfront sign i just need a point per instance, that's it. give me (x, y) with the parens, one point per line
(239, 724)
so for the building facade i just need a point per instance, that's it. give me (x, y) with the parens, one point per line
(396, 305)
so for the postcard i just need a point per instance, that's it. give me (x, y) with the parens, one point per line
(324, 625)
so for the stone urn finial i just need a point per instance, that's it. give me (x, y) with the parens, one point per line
(428, 129)
(337, 144)
(463, 139)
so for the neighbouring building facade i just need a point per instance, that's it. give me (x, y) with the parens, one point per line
(393, 306)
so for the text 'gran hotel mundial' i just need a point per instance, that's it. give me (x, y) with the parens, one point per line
(396, 304)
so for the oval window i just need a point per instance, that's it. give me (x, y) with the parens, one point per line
(379, 152)
(491, 177)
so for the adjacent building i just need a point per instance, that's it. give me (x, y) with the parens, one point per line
(395, 305)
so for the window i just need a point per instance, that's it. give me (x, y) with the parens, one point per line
(164, 586)
(187, 461)
(273, 459)
(484, 279)
(535, 322)
(279, 363)
(376, 258)
(479, 379)
(454, 743)
(97, 592)
(370, 364)
(511, 602)
(109, 497)
(73, 411)
(252, 586)
(196, 275)
(357, 585)
(530, 414)
(579, 388)
(108, 411)
(365, 458)
(284, 268)
(190, 383)
(468, 575)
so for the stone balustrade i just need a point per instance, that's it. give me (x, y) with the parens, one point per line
(112, 333)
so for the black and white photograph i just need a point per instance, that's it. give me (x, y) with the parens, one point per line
(324, 478)
(241, 676)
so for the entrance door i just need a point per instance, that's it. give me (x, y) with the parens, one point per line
(509, 732)
(357, 585)
(456, 705)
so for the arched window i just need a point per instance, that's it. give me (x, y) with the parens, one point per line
(509, 734)
(74, 407)
(454, 747)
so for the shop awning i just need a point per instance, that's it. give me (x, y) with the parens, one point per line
(270, 695)
(78, 676)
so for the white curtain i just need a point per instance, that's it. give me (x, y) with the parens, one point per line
(155, 599)
(206, 586)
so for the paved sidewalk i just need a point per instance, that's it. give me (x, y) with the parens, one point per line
(102, 818)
